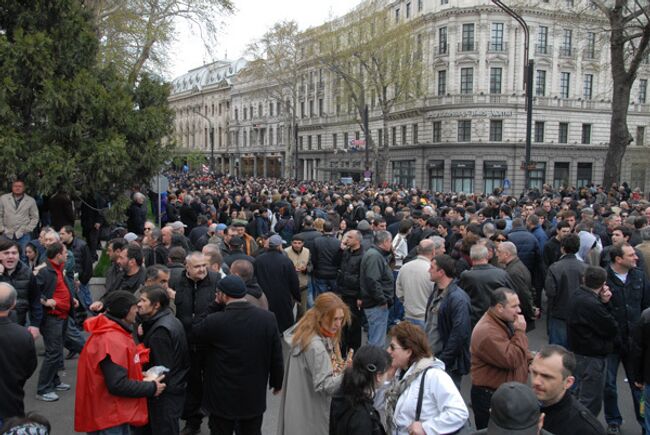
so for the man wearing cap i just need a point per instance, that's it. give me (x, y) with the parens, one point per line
(111, 391)
(514, 410)
(277, 276)
(300, 257)
(249, 245)
(245, 355)
(551, 377)
(236, 252)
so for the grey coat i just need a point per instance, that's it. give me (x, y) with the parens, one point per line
(307, 390)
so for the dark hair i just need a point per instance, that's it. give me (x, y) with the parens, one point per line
(446, 263)
(405, 226)
(327, 227)
(242, 268)
(562, 224)
(118, 244)
(7, 244)
(177, 254)
(499, 296)
(156, 293)
(413, 338)
(617, 251)
(154, 270)
(570, 244)
(627, 233)
(68, 229)
(30, 419)
(54, 249)
(640, 222)
(594, 277)
(358, 384)
(134, 252)
(568, 358)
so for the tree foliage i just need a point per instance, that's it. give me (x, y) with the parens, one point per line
(65, 122)
(136, 34)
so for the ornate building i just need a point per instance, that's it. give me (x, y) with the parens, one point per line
(466, 132)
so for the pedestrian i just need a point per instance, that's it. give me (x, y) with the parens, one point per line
(348, 287)
(112, 391)
(301, 259)
(136, 214)
(521, 280)
(244, 357)
(314, 367)
(18, 215)
(326, 260)
(413, 286)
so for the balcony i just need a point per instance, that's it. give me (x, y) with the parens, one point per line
(441, 50)
(567, 52)
(543, 50)
(467, 47)
(497, 47)
(590, 54)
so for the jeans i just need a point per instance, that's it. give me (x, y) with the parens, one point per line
(646, 416)
(416, 322)
(377, 324)
(557, 332)
(351, 335)
(73, 340)
(310, 293)
(590, 381)
(52, 330)
(224, 426)
(481, 397)
(322, 285)
(84, 296)
(610, 395)
(123, 429)
(396, 311)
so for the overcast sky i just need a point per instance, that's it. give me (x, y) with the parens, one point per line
(250, 21)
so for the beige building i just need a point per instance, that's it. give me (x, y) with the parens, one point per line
(467, 130)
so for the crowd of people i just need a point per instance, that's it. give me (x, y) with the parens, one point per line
(361, 307)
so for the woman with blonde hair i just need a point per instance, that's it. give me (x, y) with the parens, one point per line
(314, 368)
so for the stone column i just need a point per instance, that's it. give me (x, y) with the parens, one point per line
(265, 165)
(254, 166)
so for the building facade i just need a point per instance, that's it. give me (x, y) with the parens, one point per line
(466, 131)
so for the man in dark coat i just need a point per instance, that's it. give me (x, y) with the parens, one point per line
(61, 210)
(244, 356)
(83, 263)
(163, 334)
(136, 214)
(348, 287)
(326, 259)
(520, 277)
(530, 253)
(20, 276)
(277, 276)
(17, 364)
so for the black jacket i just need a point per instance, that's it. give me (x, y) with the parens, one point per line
(570, 417)
(29, 298)
(591, 328)
(83, 260)
(192, 297)
(277, 276)
(641, 349)
(165, 336)
(136, 217)
(309, 235)
(348, 282)
(376, 278)
(360, 419)
(244, 357)
(17, 364)
(523, 285)
(563, 278)
(326, 256)
(46, 284)
(478, 282)
(629, 299)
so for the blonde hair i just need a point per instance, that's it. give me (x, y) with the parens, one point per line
(318, 224)
(321, 313)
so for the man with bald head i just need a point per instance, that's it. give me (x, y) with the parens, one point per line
(17, 365)
(414, 286)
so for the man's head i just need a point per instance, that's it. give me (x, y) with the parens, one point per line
(514, 410)
(242, 268)
(532, 221)
(383, 240)
(9, 254)
(8, 297)
(130, 259)
(50, 238)
(66, 233)
(196, 266)
(442, 269)
(479, 254)
(612, 221)
(623, 257)
(426, 249)
(595, 277)
(504, 303)
(506, 252)
(352, 239)
(139, 198)
(176, 255)
(122, 305)
(114, 248)
(18, 187)
(297, 243)
(551, 373)
(153, 299)
(212, 253)
(563, 229)
(621, 234)
(570, 244)
(157, 274)
(166, 235)
(57, 253)
(230, 288)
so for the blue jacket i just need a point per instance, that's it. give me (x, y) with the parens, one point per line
(527, 247)
(541, 236)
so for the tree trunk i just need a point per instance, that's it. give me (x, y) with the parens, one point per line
(619, 135)
(381, 156)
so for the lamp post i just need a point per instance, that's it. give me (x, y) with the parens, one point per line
(198, 112)
(528, 80)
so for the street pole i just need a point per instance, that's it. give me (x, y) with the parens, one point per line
(198, 112)
(295, 147)
(528, 80)
(367, 133)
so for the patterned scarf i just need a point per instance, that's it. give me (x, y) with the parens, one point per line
(398, 386)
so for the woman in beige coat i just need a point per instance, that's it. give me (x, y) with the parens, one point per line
(314, 368)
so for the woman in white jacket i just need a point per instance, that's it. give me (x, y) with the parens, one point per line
(443, 410)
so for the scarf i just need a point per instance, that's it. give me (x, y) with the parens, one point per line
(398, 386)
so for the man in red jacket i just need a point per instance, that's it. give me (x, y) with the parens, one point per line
(111, 390)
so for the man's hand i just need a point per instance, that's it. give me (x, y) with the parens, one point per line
(171, 293)
(639, 386)
(75, 302)
(359, 303)
(2, 269)
(96, 306)
(98, 226)
(605, 294)
(49, 303)
(77, 284)
(416, 428)
(160, 387)
(34, 331)
(520, 323)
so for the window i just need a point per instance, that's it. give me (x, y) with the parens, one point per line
(588, 85)
(320, 107)
(437, 131)
(586, 133)
(493, 175)
(637, 176)
(244, 138)
(584, 175)
(495, 80)
(420, 5)
(403, 135)
(539, 131)
(380, 137)
(590, 49)
(640, 136)
(415, 134)
(561, 174)
(442, 82)
(442, 40)
(236, 114)
(311, 108)
(643, 88)
(466, 80)
(260, 112)
(563, 133)
(404, 173)
(279, 135)
(309, 142)
(496, 130)
(542, 40)
(565, 48)
(319, 144)
(565, 78)
(394, 131)
(464, 130)
(437, 176)
(245, 113)
(496, 37)
(346, 142)
(270, 109)
(338, 105)
(302, 109)
(569, 3)
(408, 10)
(462, 176)
(270, 135)
(468, 37)
(540, 88)
(278, 108)
(301, 142)
(397, 15)
(334, 140)
(444, 2)
(537, 175)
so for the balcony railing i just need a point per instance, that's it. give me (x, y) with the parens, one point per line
(497, 47)
(590, 54)
(567, 52)
(467, 47)
(441, 50)
(543, 49)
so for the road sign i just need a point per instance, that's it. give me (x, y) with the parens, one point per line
(159, 184)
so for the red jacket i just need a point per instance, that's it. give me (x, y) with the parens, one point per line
(95, 408)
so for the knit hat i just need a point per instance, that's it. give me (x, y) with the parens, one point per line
(363, 225)
(221, 227)
(232, 286)
(514, 410)
(236, 241)
(118, 303)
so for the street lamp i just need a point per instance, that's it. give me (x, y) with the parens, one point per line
(528, 75)
(198, 112)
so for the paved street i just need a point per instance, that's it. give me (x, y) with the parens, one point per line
(61, 413)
